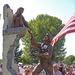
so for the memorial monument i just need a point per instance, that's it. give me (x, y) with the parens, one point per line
(11, 37)
(45, 53)
(14, 29)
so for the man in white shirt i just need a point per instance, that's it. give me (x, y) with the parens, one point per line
(21, 70)
(56, 71)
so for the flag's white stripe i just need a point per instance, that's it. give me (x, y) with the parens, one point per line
(71, 19)
(68, 24)
(71, 28)
(55, 39)
(68, 28)
(65, 29)
(59, 35)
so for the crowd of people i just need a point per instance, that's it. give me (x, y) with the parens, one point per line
(58, 69)
(27, 69)
(1, 70)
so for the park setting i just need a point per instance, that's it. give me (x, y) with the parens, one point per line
(37, 37)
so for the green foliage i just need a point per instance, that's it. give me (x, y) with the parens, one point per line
(0, 61)
(26, 56)
(40, 26)
(74, 62)
(69, 60)
(18, 54)
(0, 16)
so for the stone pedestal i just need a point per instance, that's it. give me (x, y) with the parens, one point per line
(11, 37)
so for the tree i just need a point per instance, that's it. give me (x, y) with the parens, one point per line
(69, 59)
(0, 16)
(0, 61)
(18, 54)
(74, 62)
(26, 56)
(40, 26)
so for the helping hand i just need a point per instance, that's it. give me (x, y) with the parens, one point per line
(30, 31)
(36, 53)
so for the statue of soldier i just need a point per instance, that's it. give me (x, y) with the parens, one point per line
(18, 19)
(45, 54)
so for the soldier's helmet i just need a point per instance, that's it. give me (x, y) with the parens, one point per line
(50, 37)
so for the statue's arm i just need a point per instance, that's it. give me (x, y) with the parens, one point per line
(46, 55)
(42, 55)
(14, 19)
(25, 23)
(33, 42)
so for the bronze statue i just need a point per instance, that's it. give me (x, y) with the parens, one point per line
(45, 54)
(18, 19)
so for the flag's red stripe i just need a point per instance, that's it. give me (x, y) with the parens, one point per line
(65, 27)
(72, 19)
(55, 40)
(63, 33)
(71, 26)
(68, 28)
(71, 31)
(59, 35)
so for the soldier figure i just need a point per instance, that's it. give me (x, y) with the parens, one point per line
(18, 19)
(45, 54)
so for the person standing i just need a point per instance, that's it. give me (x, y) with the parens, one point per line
(21, 70)
(45, 54)
(56, 70)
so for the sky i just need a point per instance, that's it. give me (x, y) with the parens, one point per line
(62, 9)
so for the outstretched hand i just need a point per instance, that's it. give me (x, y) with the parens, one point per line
(30, 31)
(36, 53)
(45, 56)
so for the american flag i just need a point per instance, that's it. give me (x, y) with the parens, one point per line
(68, 28)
